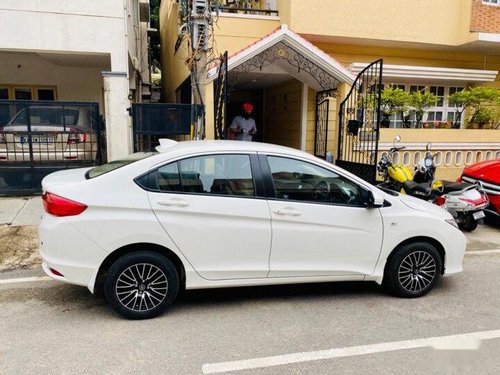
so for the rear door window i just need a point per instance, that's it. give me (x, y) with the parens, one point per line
(211, 174)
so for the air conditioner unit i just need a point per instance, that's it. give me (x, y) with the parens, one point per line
(144, 11)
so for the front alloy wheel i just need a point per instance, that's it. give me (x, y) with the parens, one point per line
(413, 270)
(417, 271)
(141, 285)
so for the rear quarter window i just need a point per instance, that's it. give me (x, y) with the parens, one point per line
(115, 164)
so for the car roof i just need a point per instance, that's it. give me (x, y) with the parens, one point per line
(188, 147)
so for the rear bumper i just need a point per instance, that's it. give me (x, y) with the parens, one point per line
(66, 250)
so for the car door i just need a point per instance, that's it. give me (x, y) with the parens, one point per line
(209, 207)
(319, 221)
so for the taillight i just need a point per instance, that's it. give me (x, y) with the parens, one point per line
(59, 206)
(440, 201)
(77, 138)
(459, 179)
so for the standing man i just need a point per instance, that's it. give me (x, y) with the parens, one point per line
(243, 127)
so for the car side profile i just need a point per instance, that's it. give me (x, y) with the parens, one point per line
(208, 214)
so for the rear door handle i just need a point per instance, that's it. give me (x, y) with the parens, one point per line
(174, 202)
(287, 211)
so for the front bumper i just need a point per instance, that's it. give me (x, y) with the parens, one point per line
(456, 244)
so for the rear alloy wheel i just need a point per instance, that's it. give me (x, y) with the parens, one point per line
(413, 270)
(141, 285)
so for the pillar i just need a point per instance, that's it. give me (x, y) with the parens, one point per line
(118, 120)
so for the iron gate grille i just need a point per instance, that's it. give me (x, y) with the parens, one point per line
(321, 120)
(41, 137)
(152, 121)
(220, 101)
(359, 120)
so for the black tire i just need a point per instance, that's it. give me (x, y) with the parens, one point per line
(413, 270)
(468, 224)
(155, 287)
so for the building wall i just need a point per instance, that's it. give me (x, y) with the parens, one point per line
(137, 41)
(282, 105)
(93, 26)
(232, 32)
(443, 22)
(174, 65)
(73, 83)
(347, 54)
(485, 18)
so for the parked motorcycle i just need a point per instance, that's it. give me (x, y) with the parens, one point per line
(463, 200)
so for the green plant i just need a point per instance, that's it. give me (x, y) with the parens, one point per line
(420, 101)
(482, 116)
(475, 99)
(395, 100)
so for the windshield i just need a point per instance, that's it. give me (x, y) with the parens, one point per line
(115, 164)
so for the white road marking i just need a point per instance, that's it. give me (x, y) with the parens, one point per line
(441, 342)
(25, 280)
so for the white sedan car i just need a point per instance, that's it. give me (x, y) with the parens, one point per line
(208, 214)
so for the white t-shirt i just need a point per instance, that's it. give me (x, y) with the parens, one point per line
(243, 126)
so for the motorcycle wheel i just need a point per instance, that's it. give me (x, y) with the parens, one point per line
(468, 224)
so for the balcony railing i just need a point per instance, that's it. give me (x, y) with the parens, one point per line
(257, 7)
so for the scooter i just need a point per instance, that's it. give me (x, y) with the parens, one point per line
(464, 201)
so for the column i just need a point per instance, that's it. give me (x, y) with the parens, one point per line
(209, 110)
(118, 120)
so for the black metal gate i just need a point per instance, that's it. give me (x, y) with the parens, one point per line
(41, 137)
(152, 121)
(220, 98)
(359, 124)
(321, 120)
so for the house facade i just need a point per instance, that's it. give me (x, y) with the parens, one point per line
(284, 54)
(94, 50)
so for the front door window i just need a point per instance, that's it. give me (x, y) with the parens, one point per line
(301, 181)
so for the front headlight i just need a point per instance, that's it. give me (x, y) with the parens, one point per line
(452, 222)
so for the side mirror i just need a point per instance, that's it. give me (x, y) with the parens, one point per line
(374, 200)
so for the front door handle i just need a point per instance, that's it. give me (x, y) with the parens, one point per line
(174, 202)
(287, 211)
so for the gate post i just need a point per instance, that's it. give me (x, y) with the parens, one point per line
(209, 110)
(342, 92)
(118, 124)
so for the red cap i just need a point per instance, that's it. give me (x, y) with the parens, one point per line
(247, 107)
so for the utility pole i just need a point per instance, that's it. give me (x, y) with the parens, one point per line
(199, 28)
